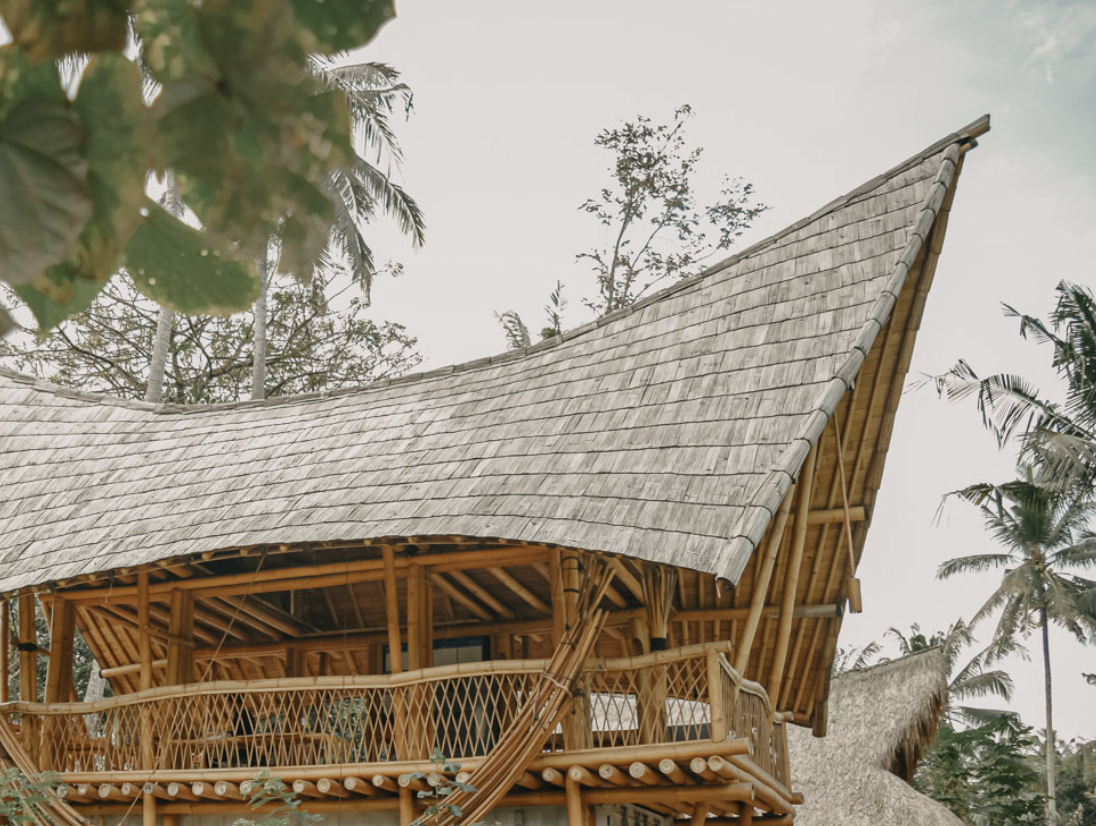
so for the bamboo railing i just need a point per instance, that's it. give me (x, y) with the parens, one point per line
(684, 695)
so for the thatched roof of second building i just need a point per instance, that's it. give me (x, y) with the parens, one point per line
(881, 720)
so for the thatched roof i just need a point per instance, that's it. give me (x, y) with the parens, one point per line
(669, 431)
(881, 719)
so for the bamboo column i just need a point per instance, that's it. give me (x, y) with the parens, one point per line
(59, 674)
(148, 757)
(180, 649)
(576, 812)
(395, 659)
(658, 587)
(5, 650)
(577, 731)
(28, 669)
(419, 712)
(791, 582)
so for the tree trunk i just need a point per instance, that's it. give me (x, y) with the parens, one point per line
(258, 366)
(161, 344)
(1052, 808)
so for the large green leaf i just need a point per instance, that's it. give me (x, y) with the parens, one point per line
(25, 80)
(113, 111)
(45, 199)
(53, 299)
(172, 40)
(340, 25)
(176, 266)
(52, 28)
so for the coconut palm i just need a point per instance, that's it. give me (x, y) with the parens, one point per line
(972, 680)
(359, 193)
(1059, 439)
(1043, 532)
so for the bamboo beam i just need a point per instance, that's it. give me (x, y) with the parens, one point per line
(461, 597)
(761, 587)
(295, 578)
(483, 594)
(791, 581)
(519, 589)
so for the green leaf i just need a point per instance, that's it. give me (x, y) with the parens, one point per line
(172, 40)
(44, 195)
(175, 265)
(52, 300)
(26, 80)
(111, 108)
(52, 28)
(340, 26)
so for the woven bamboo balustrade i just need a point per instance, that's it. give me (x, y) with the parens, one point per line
(375, 730)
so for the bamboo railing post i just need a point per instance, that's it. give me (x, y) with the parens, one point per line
(791, 583)
(395, 656)
(715, 696)
(148, 757)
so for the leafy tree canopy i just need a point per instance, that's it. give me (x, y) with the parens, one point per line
(319, 338)
(251, 132)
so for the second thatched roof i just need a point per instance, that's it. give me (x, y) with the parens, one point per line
(881, 721)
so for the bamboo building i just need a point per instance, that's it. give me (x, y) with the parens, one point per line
(603, 574)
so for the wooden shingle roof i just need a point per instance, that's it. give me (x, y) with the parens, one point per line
(669, 431)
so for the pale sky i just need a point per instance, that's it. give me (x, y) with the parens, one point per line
(807, 100)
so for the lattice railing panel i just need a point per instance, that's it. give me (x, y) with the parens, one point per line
(461, 712)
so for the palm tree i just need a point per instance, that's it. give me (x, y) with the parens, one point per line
(975, 679)
(1059, 439)
(373, 93)
(1044, 532)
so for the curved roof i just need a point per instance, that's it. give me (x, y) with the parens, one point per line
(669, 431)
(881, 719)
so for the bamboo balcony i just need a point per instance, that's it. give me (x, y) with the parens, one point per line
(661, 711)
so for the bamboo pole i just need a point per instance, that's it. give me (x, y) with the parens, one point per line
(5, 649)
(392, 608)
(576, 814)
(179, 651)
(519, 589)
(799, 538)
(761, 587)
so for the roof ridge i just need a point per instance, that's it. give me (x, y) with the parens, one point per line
(966, 135)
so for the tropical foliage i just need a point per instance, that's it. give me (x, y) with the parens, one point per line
(654, 228)
(984, 774)
(320, 337)
(1044, 534)
(251, 132)
(1057, 438)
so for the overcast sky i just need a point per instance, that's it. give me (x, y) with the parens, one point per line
(806, 100)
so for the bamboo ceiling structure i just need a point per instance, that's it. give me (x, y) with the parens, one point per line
(732, 428)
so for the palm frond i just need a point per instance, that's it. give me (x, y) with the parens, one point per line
(517, 334)
(976, 563)
(392, 200)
